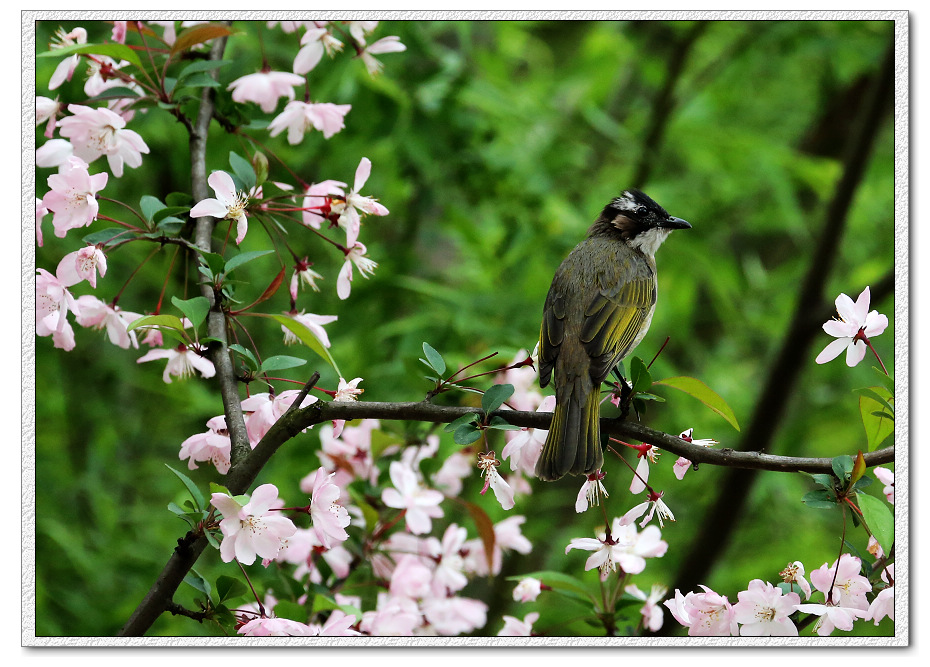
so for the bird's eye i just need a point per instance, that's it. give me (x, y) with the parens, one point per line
(641, 211)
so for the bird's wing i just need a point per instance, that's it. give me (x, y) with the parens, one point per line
(612, 320)
(550, 338)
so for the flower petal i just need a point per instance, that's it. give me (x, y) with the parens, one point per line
(361, 174)
(832, 351)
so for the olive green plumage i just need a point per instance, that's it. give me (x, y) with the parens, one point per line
(598, 308)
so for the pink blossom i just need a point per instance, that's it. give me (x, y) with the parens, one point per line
(99, 315)
(411, 578)
(455, 615)
(682, 465)
(100, 77)
(317, 203)
(762, 611)
(527, 590)
(646, 454)
(591, 491)
(264, 410)
(654, 506)
(314, 43)
(449, 576)
(329, 517)
(251, 529)
(351, 448)
(454, 469)
(514, 627)
(384, 45)
(41, 212)
(623, 546)
(118, 34)
(348, 209)
(348, 391)
(355, 255)
(393, 616)
(182, 362)
(338, 625)
(706, 614)
(212, 446)
(421, 504)
(844, 586)
(81, 265)
(47, 111)
(96, 132)
(264, 88)
(313, 322)
(53, 301)
(832, 617)
(303, 275)
(228, 203)
(66, 67)
(525, 396)
(852, 330)
(794, 574)
(488, 464)
(886, 477)
(275, 627)
(507, 536)
(524, 448)
(73, 196)
(298, 117)
(882, 606)
(358, 30)
(54, 153)
(651, 611)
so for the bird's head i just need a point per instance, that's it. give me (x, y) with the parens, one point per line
(639, 220)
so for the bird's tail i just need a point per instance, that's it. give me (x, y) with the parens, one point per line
(574, 441)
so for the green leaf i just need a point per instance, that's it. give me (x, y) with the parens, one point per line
(290, 610)
(181, 200)
(105, 236)
(214, 260)
(643, 396)
(115, 51)
(706, 395)
(242, 258)
(820, 499)
(878, 518)
(503, 424)
(466, 434)
(202, 66)
(243, 169)
(878, 424)
(229, 587)
(114, 93)
(169, 211)
(281, 362)
(826, 481)
(195, 579)
(878, 394)
(245, 352)
(149, 206)
(495, 396)
(469, 418)
(199, 80)
(886, 379)
(307, 338)
(842, 466)
(433, 359)
(169, 321)
(640, 379)
(195, 309)
(191, 487)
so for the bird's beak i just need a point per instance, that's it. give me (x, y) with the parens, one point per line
(675, 223)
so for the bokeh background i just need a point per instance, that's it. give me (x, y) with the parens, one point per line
(495, 145)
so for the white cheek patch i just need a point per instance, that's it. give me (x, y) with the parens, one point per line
(625, 202)
(650, 240)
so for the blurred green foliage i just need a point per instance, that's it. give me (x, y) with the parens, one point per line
(494, 145)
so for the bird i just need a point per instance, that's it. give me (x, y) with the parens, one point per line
(599, 308)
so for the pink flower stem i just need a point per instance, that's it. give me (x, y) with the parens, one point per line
(869, 343)
(667, 338)
(164, 285)
(134, 272)
(245, 574)
(619, 456)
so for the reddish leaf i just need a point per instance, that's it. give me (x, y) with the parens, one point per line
(272, 288)
(485, 530)
(199, 34)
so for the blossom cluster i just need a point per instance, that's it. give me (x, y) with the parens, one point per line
(765, 610)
